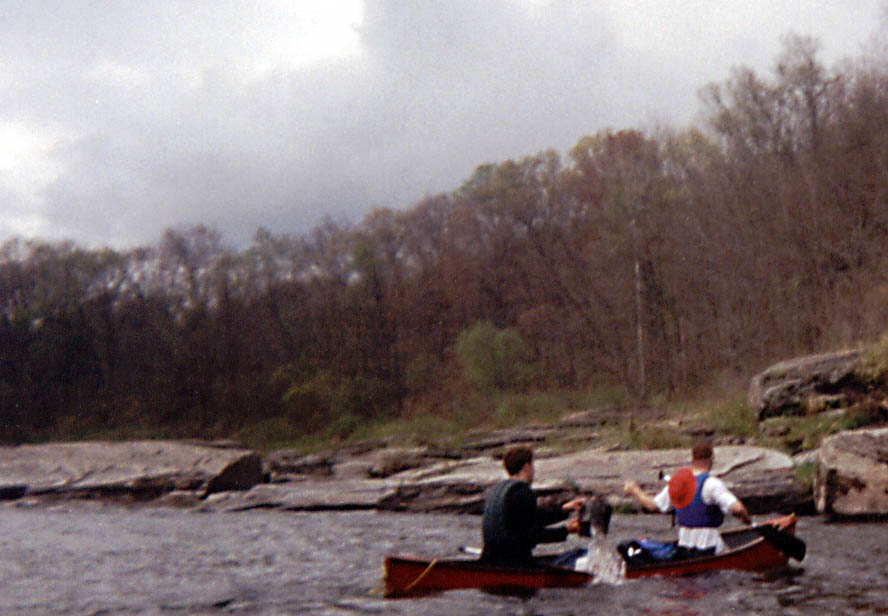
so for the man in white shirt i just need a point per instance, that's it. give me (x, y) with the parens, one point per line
(700, 501)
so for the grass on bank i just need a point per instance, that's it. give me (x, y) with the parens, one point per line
(453, 422)
(448, 425)
(730, 418)
(725, 414)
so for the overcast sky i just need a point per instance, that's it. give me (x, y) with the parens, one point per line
(120, 119)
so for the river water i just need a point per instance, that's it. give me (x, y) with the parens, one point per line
(90, 558)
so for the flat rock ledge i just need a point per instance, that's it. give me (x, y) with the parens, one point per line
(134, 470)
(763, 478)
(228, 477)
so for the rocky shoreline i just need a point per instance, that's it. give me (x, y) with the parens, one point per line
(219, 477)
(848, 473)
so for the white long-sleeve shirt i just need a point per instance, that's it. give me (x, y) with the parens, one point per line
(714, 492)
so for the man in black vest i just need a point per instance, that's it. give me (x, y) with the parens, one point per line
(513, 523)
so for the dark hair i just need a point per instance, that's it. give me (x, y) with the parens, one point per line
(516, 457)
(702, 450)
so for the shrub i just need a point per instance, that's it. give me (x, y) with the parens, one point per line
(872, 367)
(361, 396)
(308, 402)
(343, 427)
(493, 358)
(269, 434)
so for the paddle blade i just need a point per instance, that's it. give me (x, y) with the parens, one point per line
(789, 544)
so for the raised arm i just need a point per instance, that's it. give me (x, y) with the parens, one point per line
(631, 488)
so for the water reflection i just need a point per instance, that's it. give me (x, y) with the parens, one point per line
(90, 559)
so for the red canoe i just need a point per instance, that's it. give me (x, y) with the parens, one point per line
(747, 550)
(406, 576)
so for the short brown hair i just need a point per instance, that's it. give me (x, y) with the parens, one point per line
(516, 457)
(702, 450)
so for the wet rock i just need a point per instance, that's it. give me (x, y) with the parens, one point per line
(396, 460)
(289, 462)
(181, 499)
(306, 495)
(382, 463)
(440, 497)
(140, 470)
(852, 474)
(241, 473)
(809, 383)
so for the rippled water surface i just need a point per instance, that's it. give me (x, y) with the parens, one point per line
(100, 559)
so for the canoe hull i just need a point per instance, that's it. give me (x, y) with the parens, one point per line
(407, 576)
(747, 551)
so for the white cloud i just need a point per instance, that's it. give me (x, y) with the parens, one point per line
(120, 119)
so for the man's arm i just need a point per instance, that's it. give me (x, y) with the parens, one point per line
(726, 500)
(738, 509)
(631, 488)
(550, 512)
(529, 523)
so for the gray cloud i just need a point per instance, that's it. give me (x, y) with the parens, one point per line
(171, 113)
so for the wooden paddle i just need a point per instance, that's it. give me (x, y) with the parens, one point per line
(789, 544)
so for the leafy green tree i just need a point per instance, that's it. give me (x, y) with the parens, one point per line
(493, 358)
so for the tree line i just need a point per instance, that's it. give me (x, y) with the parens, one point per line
(655, 261)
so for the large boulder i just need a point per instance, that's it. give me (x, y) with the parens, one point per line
(852, 474)
(789, 386)
(135, 469)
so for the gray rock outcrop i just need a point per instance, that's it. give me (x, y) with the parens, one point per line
(212, 477)
(139, 470)
(851, 478)
(790, 386)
